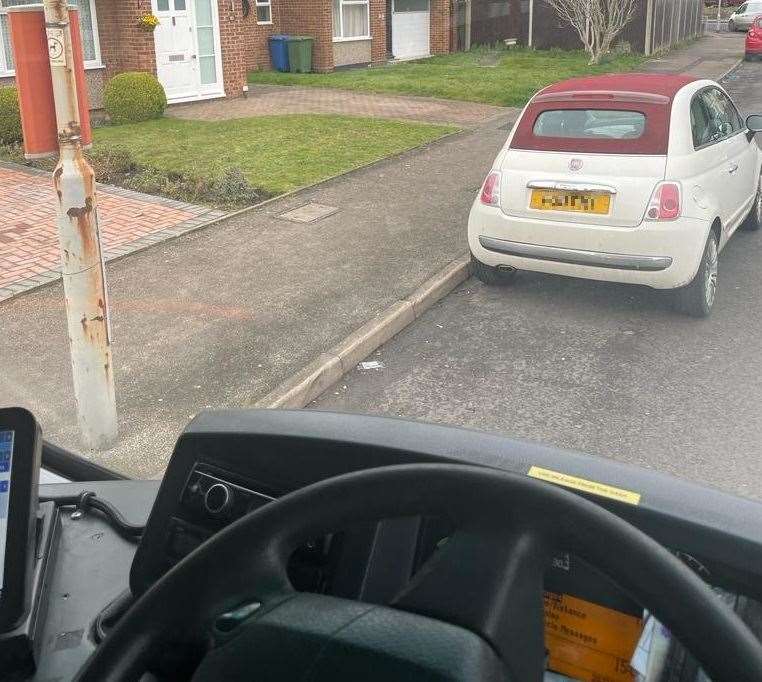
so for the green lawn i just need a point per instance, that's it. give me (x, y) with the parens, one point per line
(503, 77)
(275, 153)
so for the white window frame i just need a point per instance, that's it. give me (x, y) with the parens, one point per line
(264, 3)
(342, 39)
(89, 63)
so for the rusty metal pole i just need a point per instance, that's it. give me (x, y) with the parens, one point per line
(84, 277)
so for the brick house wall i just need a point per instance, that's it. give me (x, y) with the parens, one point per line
(440, 27)
(378, 19)
(257, 51)
(244, 42)
(233, 43)
(311, 18)
(124, 46)
(108, 34)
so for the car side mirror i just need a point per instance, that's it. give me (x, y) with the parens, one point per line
(754, 123)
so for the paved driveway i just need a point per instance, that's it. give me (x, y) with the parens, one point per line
(272, 100)
(29, 250)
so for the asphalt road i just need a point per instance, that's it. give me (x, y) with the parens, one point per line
(607, 369)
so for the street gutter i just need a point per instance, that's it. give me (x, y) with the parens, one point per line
(328, 368)
(730, 70)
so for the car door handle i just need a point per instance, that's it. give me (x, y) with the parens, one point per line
(733, 168)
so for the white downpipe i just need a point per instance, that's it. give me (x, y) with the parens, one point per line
(530, 30)
(649, 28)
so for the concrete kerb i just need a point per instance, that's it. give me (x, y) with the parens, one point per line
(327, 369)
(730, 70)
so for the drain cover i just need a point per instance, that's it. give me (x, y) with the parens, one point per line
(309, 213)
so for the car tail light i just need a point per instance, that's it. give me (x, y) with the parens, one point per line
(490, 195)
(666, 202)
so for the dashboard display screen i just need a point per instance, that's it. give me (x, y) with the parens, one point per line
(6, 453)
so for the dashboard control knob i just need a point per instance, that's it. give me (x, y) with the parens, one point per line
(218, 499)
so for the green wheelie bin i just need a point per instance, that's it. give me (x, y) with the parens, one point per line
(300, 54)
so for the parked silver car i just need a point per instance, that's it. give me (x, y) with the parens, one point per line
(743, 17)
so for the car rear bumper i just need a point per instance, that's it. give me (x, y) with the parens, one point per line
(660, 255)
(617, 261)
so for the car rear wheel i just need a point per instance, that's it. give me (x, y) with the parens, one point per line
(697, 298)
(754, 220)
(491, 275)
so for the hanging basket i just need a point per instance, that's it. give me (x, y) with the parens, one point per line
(148, 22)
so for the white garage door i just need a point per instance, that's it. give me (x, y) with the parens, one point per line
(410, 28)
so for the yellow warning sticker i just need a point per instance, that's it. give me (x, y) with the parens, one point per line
(592, 487)
(589, 642)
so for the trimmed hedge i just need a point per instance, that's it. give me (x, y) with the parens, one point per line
(133, 97)
(10, 116)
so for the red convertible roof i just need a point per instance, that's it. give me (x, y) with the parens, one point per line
(665, 85)
(648, 93)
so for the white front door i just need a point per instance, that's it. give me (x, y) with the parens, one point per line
(410, 28)
(187, 41)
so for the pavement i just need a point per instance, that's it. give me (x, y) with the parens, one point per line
(129, 221)
(220, 316)
(276, 100)
(607, 369)
(711, 57)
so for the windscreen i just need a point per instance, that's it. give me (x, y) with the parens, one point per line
(6, 453)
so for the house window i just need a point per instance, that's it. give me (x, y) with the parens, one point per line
(264, 12)
(87, 21)
(351, 19)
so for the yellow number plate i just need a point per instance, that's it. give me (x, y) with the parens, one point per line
(563, 200)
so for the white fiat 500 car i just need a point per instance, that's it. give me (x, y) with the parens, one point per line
(636, 178)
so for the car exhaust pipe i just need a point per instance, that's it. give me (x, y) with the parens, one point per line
(507, 269)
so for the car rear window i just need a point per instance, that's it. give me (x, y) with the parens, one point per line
(623, 123)
(590, 124)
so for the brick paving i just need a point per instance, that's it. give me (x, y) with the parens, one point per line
(129, 221)
(269, 100)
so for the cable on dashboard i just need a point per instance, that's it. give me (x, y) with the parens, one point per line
(87, 500)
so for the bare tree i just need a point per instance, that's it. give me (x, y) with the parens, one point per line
(597, 22)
